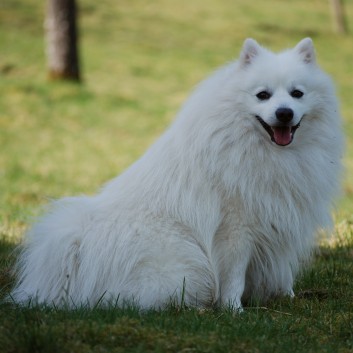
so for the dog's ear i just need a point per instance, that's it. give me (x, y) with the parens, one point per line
(305, 48)
(251, 49)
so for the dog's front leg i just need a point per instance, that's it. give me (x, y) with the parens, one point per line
(233, 255)
(233, 283)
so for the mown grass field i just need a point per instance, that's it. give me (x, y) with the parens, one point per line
(140, 60)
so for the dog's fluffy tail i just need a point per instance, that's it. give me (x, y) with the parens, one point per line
(50, 255)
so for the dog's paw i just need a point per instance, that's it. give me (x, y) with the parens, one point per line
(290, 293)
(234, 305)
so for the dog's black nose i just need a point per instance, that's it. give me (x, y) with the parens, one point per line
(284, 115)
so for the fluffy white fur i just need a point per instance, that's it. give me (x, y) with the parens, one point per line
(214, 212)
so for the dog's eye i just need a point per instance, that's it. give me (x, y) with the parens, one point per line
(296, 93)
(263, 95)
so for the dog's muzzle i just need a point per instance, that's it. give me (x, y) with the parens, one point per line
(282, 133)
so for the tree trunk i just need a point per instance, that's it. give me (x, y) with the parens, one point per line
(339, 17)
(61, 40)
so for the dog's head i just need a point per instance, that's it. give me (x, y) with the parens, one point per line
(278, 87)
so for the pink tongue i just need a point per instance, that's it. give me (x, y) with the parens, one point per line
(282, 135)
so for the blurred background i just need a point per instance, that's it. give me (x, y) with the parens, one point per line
(138, 62)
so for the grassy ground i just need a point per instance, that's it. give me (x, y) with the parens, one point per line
(140, 60)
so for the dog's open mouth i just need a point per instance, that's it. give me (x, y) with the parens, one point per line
(282, 135)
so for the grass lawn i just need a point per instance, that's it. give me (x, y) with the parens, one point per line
(140, 60)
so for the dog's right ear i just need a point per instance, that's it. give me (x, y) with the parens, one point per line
(251, 50)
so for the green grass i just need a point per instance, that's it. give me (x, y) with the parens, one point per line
(140, 60)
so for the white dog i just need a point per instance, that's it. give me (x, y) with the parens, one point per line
(222, 208)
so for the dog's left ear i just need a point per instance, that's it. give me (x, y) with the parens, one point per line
(250, 51)
(305, 48)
